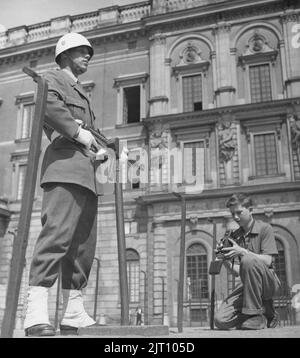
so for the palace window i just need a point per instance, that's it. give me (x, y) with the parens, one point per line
(134, 169)
(280, 265)
(192, 93)
(264, 147)
(258, 61)
(266, 161)
(197, 272)
(193, 162)
(133, 274)
(26, 106)
(131, 104)
(260, 83)
(21, 180)
(131, 97)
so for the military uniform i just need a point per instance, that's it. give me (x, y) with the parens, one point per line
(69, 208)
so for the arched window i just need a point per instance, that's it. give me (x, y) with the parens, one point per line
(133, 274)
(280, 265)
(196, 271)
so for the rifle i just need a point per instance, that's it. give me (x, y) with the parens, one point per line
(101, 140)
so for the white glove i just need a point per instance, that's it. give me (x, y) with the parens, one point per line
(86, 138)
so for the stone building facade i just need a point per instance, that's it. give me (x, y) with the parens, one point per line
(215, 83)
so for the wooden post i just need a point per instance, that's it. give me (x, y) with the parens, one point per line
(20, 244)
(181, 264)
(121, 241)
(96, 288)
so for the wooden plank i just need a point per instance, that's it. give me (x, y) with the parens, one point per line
(21, 240)
(121, 241)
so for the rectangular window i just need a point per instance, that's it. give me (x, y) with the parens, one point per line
(260, 83)
(131, 104)
(133, 272)
(193, 162)
(133, 170)
(26, 120)
(197, 272)
(192, 93)
(21, 180)
(265, 154)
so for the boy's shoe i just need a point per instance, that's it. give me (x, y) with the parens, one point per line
(254, 322)
(273, 321)
(271, 315)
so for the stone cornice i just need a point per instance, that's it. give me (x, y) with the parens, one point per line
(238, 112)
(219, 13)
(137, 23)
(221, 193)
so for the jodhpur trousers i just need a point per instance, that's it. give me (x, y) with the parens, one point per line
(259, 283)
(67, 238)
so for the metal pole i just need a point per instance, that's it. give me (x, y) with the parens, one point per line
(121, 241)
(181, 263)
(96, 289)
(213, 278)
(20, 244)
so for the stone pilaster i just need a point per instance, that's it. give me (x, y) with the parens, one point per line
(225, 92)
(158, 99)
(291, 34)
(159, 270)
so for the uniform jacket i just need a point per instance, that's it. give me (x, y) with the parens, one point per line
(64, 161)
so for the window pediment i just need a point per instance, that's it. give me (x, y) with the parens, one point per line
(258, 50)
(190, 60)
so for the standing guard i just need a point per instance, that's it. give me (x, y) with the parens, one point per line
(67, 240)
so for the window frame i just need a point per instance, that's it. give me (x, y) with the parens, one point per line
(253, 134)
(22, 100)
(189, 294)
(18, 159)
(271, 124)
(137, 284)
(126, 81)
(182, 144)
(248, 82)
(181, 79)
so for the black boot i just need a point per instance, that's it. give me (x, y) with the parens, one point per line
(40, 330)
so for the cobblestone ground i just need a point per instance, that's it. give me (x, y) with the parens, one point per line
(205, 332)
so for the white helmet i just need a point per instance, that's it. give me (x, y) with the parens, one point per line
(72, 40)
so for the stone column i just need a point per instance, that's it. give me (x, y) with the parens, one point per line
(158, 99)
(224, 77)
(159, 271)
(291, 30)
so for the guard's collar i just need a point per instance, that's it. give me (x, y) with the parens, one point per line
(71, 74)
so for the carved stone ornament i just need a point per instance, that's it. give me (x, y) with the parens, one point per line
(190, 54)
(258, 47)
(227, 144)
(295, 130)
(194, 219)
(158, 136)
